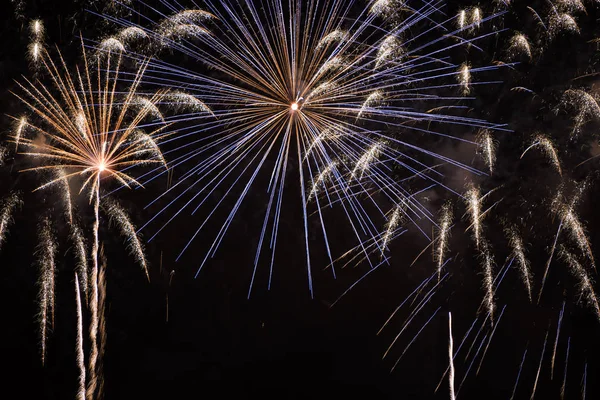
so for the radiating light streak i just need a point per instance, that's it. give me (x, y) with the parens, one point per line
(537, 375)
(519, 374)
(560, 317)
(450, 358)
(564, 384)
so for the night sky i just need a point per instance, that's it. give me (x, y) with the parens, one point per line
(280, 343)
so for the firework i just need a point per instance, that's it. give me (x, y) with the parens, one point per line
(334, 96)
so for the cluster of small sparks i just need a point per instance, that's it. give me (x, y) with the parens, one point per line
(36, 47)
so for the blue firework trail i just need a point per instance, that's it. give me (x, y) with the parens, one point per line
(332, 96)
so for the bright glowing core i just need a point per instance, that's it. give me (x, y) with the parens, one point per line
(294, 106)
(101, 166)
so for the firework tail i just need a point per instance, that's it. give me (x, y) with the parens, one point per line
(92, 382)
(450, 358)
(79, 343)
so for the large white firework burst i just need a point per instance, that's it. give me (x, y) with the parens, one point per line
(338, 92)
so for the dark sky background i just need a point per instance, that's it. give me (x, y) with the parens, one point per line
(281, 343)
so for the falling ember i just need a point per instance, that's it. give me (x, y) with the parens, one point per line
(443, 236)
(571, 221)
(391, 226)
(46, 251)
(389, 49)
(519, 45)
(462, 19)
(487, 262)
(7, 208)
(518, 251)
(372, 100)
(81, 257)
(36, 28)
(365, 161)
(35, 51)
(474, 210)
(476, 17)
(66, 194)
(118, 215)
(321, 180)
(464, 78)
(332, 37)
(488, 146)
(181, 102)
(586, 285)
(586, 106)
(111, 45)
(385, 7)
(562, 23)
(20, 128)
(548, 149)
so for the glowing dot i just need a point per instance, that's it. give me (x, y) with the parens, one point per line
(101, 167)
(294, 106)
